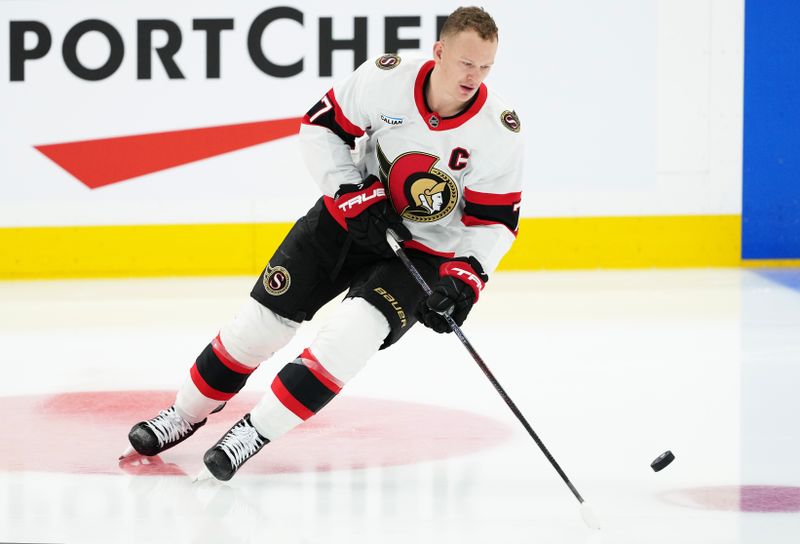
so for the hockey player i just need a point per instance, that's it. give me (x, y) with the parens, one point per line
(419, 146)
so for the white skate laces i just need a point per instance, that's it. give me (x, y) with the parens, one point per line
(240, 443)
(169, 427)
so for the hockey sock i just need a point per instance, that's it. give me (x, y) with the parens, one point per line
(303, 387)
(224, 366)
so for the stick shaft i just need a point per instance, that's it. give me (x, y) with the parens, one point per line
(394, 243)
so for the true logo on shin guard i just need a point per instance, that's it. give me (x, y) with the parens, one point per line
(395, 305)
(276, 280)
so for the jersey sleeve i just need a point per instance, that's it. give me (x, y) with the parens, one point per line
(330, 128)
(491, 210)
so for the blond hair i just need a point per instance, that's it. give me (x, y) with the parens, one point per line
(470, 18)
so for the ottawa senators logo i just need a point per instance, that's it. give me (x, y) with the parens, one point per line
(418, 191)
(510, 120)
(387, 62)
(276, 280)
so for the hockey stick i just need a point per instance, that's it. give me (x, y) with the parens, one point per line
(586, 512)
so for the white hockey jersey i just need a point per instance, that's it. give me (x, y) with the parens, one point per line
(457, 181)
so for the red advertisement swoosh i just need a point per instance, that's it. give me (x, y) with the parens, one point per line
(97, 163)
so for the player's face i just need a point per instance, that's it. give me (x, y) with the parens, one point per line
(464, 60)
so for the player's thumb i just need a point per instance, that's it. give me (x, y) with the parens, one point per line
(439, 301)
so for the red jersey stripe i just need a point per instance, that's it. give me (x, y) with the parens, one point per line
(419, 246)
(492, 199)
(342, 119)
(339, 117)
(470, 221)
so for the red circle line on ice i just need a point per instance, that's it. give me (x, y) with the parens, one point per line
(737, 498)
(85, 432)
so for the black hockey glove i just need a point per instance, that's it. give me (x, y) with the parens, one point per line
(460, 283)
(368, 213)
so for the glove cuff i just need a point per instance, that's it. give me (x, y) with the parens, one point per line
(468, 270)
(354, 199)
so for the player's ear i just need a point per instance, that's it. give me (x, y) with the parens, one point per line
(437, 50)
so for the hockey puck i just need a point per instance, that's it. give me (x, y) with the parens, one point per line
(662, 461)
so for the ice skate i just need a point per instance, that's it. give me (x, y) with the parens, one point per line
(162, 432)
(235, 447)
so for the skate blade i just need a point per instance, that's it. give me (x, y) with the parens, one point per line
(127, 453)
(203, 476)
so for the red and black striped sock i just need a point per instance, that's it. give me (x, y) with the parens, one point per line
(216, 374)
